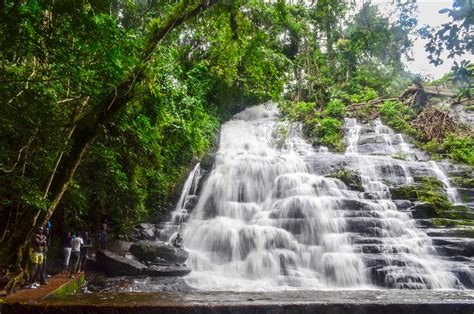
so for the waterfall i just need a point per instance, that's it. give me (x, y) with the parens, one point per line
(272, 217)
(451, 191)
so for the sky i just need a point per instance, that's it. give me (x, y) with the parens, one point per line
(428, 14)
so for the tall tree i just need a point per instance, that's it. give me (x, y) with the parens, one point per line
(85, 130)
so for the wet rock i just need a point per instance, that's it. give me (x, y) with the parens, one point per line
(467, 195)
(118, 246)
(371, 139)
(404, 192)
(372, 149)
(421, 155)
(323, 164)
(207, 162)
(366, 130)
(159, 252)
(204, 175)
(448, 250)
(422, 211)
(392, 170)
(191, 202)
(352, 204)
(419, 170)
(448, 232)
(115, 265)
(171, 270)
(402, 204)
(144, 226)
(469, 249)
(369, 196)
(351, 178)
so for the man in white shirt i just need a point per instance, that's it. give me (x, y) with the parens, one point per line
(76, 242)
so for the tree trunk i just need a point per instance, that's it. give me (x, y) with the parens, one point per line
(87, 130)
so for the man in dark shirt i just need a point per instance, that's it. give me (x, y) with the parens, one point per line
(84, 250)
(102, 237)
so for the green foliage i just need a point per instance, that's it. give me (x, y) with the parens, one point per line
(459, 41)
(329, 133)
(397, 116)
(350, 177)
(400, 156)
(455, 37)
(280, 135)
(464, 182)
(429, 191)
(432, 146)
(451, 223)
(335, 109)
(460, 148)
(60, 60)
(297, 111)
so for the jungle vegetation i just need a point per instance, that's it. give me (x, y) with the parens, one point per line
(106, 104)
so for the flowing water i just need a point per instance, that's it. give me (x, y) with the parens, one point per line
(269, 217)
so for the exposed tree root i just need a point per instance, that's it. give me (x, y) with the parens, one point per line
(19, 279)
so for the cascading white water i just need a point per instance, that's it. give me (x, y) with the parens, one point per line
(452, 192)
(269, 217)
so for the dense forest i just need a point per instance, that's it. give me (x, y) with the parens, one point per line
(105, 105)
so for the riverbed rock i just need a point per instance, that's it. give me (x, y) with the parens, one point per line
(159, 252)
(115, 265)
(170, 270)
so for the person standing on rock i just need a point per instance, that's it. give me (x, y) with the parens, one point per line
(44, 266)
(67, 247)
(36, 257)
(102, 237)
(84, 250)
(75, 254)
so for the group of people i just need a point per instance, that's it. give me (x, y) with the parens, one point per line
(75, 253)
(75, 249)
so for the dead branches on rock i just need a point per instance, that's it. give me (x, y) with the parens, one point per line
(436, 124)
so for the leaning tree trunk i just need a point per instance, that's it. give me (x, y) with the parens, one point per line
(88, 128)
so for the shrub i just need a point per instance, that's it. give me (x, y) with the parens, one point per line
(335, 109)
(397, 116)
(460, 148)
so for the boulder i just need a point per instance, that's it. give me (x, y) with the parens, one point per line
(158, 252)
(118, 246)
(144, 231)
(115, 265)
(170, 270)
